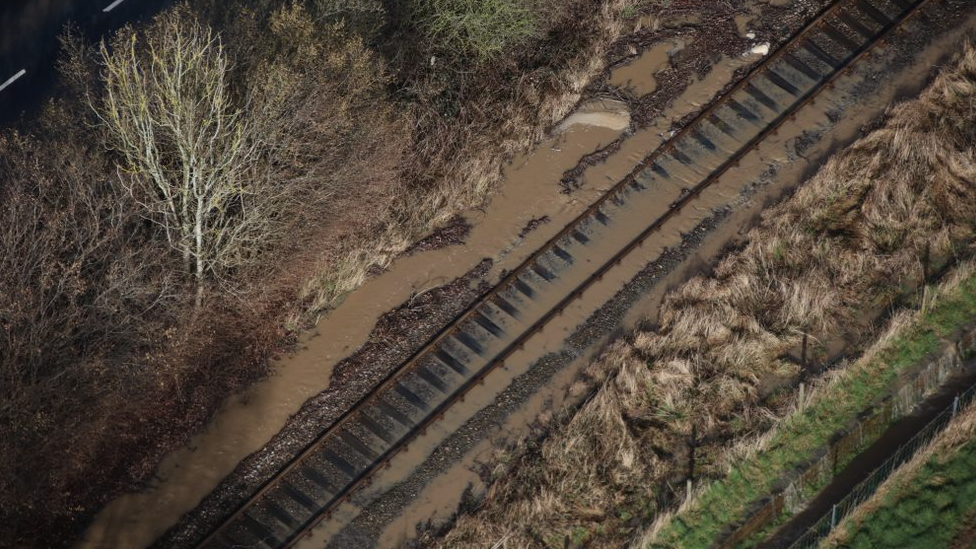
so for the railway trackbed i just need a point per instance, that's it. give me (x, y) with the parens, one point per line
(345, 456)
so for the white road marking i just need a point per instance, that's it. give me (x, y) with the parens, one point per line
(112, 6)
(12, 79)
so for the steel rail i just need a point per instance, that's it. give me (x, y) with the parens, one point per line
(396, 375)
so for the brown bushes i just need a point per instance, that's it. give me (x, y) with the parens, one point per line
(851, 243)
(82, 293)
(104, 364)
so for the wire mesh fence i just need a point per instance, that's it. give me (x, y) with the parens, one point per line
(866, 488)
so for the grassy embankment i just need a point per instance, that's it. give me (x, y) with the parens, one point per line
(798, 439)
(316, 139)
(926, 503)
(858, 239)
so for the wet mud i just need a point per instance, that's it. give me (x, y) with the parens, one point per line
(776, 167)
(637, 75)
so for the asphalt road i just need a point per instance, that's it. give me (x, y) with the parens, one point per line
(29, 44)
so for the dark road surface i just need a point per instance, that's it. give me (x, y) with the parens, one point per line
(29, 32)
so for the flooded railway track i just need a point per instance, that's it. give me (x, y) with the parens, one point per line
(417, 394)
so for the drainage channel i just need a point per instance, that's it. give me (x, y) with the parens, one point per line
(875, 455)
(413, 398)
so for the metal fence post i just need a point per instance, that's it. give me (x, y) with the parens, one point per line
(833, 517)
(955, 405)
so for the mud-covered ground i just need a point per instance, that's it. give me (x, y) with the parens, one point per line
(712, 32)
(397, 335)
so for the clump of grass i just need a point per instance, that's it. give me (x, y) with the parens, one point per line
(853, 242)
(483, 29)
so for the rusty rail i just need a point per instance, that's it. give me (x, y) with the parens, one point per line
(909, 8)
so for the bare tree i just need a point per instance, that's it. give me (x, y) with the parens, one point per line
(189, 153)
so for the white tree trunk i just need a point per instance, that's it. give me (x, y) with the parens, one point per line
(200, 254)
(189, 152)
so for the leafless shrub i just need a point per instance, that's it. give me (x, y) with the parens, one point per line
(104, 365)
(224, 170)
(83, 295)
(311, 142)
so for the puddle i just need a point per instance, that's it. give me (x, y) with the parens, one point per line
(742, 23)
(637, 76)
(647, 140)
(600, 113)
(248, 421)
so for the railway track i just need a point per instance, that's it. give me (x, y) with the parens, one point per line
(346, 455)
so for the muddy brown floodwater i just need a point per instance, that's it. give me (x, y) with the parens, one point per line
(418, 487)
(246, 422)
(426, 483)
(637, 75)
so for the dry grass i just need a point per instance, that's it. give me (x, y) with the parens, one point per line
(849, 245)
(821, 391)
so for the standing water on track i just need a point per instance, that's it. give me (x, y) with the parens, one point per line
(637, 76)
(247, 421)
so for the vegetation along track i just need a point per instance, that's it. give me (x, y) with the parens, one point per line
(345, 456)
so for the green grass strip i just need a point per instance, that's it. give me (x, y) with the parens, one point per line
(924, 511)
(797, 441)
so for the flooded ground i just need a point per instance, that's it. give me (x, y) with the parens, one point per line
(248, 421)
(637, 75)
(530, 192)
(422, 485)
(646, 140)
